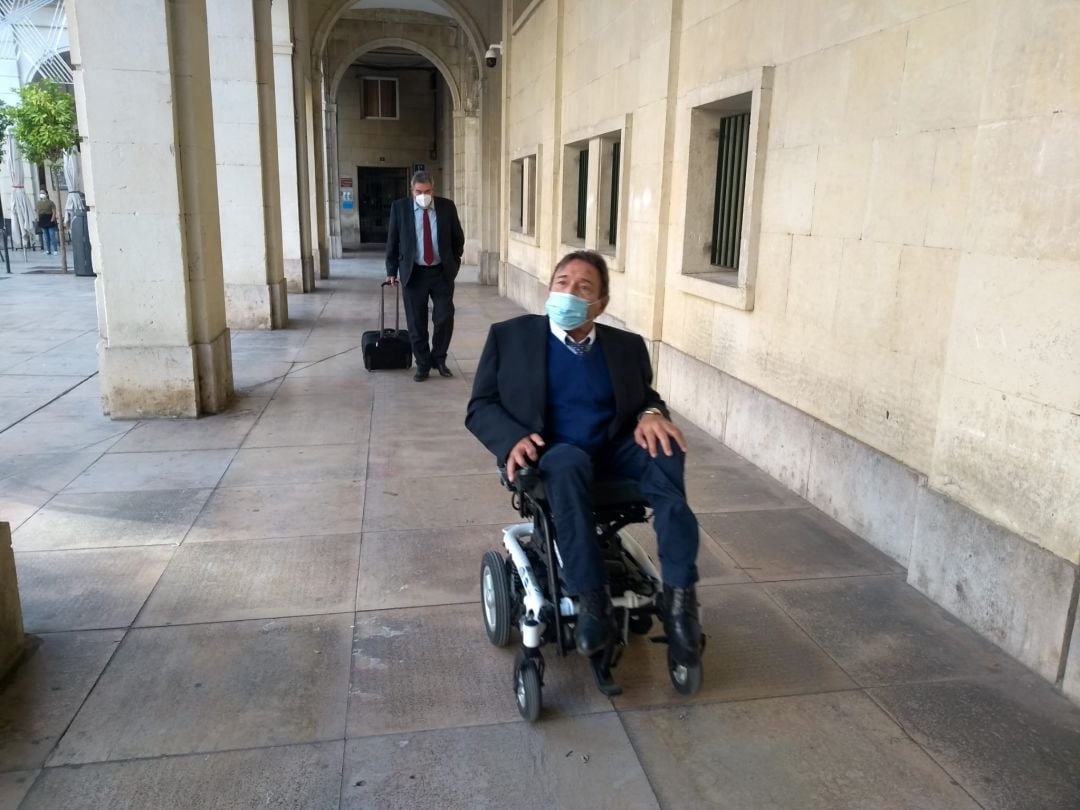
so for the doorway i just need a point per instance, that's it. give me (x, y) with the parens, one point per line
(377, 188)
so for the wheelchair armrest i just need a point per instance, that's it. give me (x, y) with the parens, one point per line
(527, 479)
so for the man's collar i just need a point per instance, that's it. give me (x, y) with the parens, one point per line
(561, 334)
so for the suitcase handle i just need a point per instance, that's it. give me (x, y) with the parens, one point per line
(382, 306)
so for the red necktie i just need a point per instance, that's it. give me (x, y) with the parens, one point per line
(429, 247)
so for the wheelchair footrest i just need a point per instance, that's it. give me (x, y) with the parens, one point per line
(601, 667)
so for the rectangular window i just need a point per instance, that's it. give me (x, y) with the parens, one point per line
(582, 192)
(379, 97)
(523, 195)
(613, 202)
(730, 191)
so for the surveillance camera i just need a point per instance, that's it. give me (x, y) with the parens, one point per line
(492, 55)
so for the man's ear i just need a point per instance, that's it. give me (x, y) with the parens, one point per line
(603, 302)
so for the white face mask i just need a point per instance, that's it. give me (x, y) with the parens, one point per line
(423, 200)
(41, 196)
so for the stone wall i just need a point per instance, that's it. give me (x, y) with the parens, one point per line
(11, 627)
(898, 342)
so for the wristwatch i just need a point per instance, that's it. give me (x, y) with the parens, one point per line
(647, 411)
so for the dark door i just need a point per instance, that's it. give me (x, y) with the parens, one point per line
(377, 189)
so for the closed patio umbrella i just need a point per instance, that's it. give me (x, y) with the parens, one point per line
(22, 210)
(73, 179)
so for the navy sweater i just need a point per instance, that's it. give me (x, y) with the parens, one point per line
(580, 397)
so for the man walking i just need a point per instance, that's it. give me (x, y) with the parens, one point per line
(423, 253)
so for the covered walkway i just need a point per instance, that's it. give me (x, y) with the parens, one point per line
(278, 607)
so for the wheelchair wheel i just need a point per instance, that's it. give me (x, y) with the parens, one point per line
(495, 598)
(527, 688)
(686, 680)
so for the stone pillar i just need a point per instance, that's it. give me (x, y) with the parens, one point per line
(322, 227)
(151, 184)
(333, 172)
(467, 174)
(11, 626)
(286, 137)
(245, 138)
(302, 106)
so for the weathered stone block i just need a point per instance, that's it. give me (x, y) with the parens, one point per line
(1013, 592)
(11, 626)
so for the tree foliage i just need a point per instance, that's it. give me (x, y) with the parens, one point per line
(44, 120)
(5, 124)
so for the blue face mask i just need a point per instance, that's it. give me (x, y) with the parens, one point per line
(566, 311)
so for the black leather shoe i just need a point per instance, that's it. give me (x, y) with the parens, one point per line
(443, 370)
(682, 625)
(421, 374)
(595, 623)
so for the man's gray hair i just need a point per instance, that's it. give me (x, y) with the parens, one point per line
(421, 177)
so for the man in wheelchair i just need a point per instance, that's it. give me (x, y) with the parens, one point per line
(575, 399)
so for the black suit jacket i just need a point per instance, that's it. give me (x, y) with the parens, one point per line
(509, 396)
(401, 248)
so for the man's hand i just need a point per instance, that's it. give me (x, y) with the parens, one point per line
(392, 281)
(654, 431)
(525, 451)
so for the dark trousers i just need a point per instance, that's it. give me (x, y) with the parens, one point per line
(568, 475)
(424, 283)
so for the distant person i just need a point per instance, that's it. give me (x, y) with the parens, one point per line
(46, 214)
(423, 251)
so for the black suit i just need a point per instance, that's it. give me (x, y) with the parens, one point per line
(509, 394)
(419, 282)
(510, 401)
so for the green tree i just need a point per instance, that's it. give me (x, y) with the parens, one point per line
(45, 128)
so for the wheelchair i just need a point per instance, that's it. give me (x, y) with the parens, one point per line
(526, 588)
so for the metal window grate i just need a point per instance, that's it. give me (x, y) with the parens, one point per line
(582, 191)
(730, 190)
(613, 214)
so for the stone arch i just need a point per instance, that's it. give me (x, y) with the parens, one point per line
(385, 42)
(457, 11)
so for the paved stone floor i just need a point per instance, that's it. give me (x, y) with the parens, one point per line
(278, 607)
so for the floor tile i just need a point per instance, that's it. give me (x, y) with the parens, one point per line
(267, 466)
(309, 429)
(816, 751)
(433, 668)
(126, 472)
(297, 510)
(219, 432)
(14, 786)
(87, 589)
(752, 651)
(721, 488)
(1011, 743)
(254, 579)
(715, 566)
(107, 519)
(882, 631)
(562, 762)
(419, 454)
(418, 567)
(39, 386)
(294, 776)
(794, 544)
(216, 687)
(432, 503)
(38, 434)
(46, 691)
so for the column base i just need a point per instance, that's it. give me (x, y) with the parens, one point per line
(294, 275)
(256, 306)
(12, 638)
(308, 265)
(147, 382)
(322, 261)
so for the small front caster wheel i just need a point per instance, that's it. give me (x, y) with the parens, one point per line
(527, 687)
(495, 595)
(685, 679)
(640, 623)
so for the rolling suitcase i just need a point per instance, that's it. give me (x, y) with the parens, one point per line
(387, 348)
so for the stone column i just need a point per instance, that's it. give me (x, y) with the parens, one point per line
(151, 184)
(245, 137)
(322, 228)
(302, 106)
(286, 137)
(11, 626)
(333, 172)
